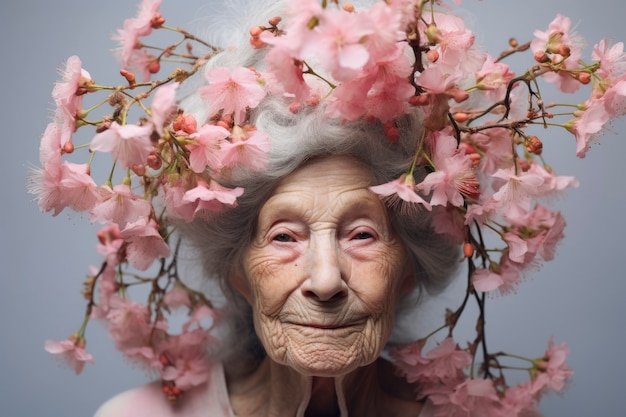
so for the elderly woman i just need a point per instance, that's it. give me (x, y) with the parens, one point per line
(316, 270)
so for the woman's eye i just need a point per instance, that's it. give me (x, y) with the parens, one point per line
(362, 236)
(282, 237)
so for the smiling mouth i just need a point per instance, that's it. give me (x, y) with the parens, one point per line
(320, 326)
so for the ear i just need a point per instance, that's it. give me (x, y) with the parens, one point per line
(240, 283)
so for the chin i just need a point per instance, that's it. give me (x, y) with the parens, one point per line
(327, 359)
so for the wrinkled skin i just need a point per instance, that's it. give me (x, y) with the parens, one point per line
(323, 275)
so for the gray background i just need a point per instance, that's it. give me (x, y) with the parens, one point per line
(576, 298)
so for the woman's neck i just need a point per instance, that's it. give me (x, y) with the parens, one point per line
(274, 390)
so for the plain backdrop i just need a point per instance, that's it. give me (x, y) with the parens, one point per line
(577, 298)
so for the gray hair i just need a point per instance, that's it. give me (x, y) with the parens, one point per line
(221, 239)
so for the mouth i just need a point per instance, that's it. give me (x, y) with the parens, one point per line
(327, 326)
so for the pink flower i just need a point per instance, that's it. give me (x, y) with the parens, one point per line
(71, 352)
(129, 323)
(147, 18)
(120, 206)
(110, 242)
(205, 147)
(144, 244)
(443, 365)
(503, 277)
(232, 92)
(454, 175)
(128, 144)
(612, 59)
(517, 247)
(485, 280)
(403, 187)
(173, 192)
(386, 23)
(338, 44)
(66, 185)
(247, 149)
(615, 99)
(211, 197)
(586, 127)
(455, 44)
(477, 397)
(514, 196)
(284, 74)
(163, 106)
(187, 358)
(563, 48)
(68, 93)
(519, 400)
(107, 289)
(551, 371)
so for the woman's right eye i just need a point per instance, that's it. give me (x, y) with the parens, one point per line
(282, 237)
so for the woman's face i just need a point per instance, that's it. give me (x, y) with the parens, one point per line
(324, 270)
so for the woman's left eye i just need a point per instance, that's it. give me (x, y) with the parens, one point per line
(361, 236)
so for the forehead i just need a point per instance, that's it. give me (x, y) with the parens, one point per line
(335, 181)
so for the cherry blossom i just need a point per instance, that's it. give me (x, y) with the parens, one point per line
(204, 150)
(552, 372)
(403, 187)
(612, 59)
(68, 94)
(211, 197)
(454, 175)
(248, 149)
(128, 144)
(120, 205)
(71, 352)
(133, 29)
(514, 197)
(232, 92)
(144, 244)
(564, 49)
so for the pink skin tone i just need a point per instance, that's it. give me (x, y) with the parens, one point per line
(323, 274)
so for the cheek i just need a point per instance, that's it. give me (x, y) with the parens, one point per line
(379, 282)
(270, 282)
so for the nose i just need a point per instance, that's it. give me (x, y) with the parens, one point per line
(325, 281)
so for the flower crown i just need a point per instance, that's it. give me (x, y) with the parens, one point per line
(486, 174)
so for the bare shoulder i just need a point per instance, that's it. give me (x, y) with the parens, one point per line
(148, 401)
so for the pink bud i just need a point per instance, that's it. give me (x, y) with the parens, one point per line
(432, 55)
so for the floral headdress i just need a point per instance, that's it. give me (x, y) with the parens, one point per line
(487, 177)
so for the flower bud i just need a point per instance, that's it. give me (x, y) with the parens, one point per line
(432, 55)
(274, 21)
(154, 67)
(584, 77)
(255, 31)
(541, 57)
(68, 147)
(157, 21)
(130, 77)
(138, 169)
(256, 42)
(154, 161)
(461, 117)
(534, 145)
(468, 250)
